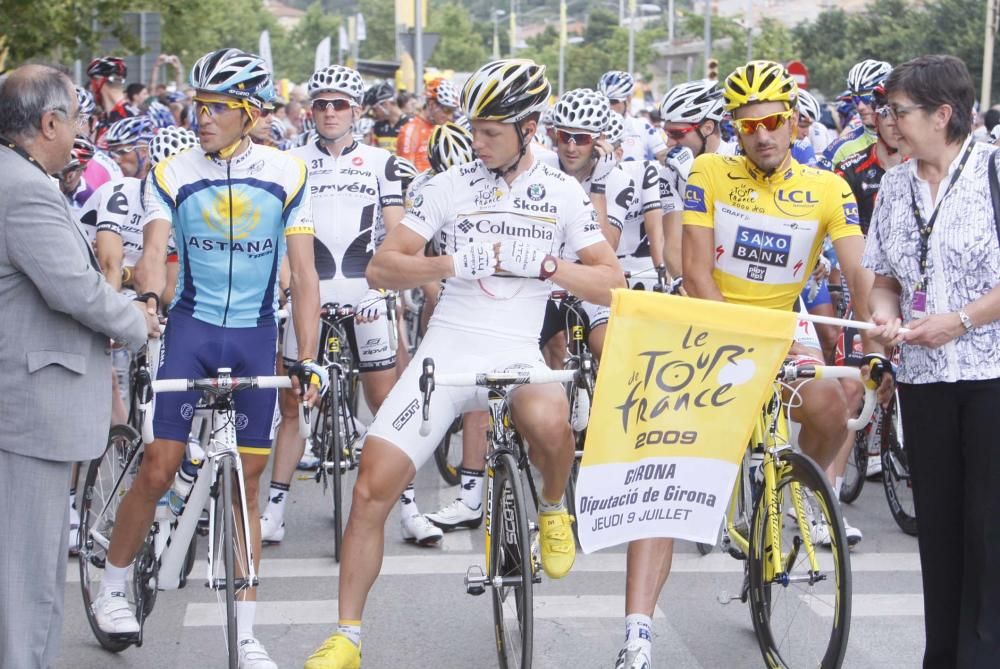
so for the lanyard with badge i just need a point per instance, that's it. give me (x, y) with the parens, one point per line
(919, 304)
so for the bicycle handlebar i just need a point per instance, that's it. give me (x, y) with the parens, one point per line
(791, 372)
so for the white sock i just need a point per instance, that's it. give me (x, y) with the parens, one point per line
(114, 578)
(276, 498)
(246, 611)
(471, 492)
(408, 502)
(838, 483)
(545, 506)
(351, 629)
(639, 630)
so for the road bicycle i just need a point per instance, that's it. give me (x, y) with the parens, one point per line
(782, 508)
(163, 564)
(513, 564)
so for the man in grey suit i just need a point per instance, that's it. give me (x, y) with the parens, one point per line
(55, 369)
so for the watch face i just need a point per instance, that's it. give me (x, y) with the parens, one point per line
(549, 265)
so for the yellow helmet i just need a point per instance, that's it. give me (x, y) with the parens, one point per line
(759, 81)
(506, 91)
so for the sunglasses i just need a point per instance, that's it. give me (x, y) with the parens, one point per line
(895, 111)
(578, 138)
(338, 104)
(215, 107)
(864, 99)
(748, 126)
(679, 133)
(121, 151)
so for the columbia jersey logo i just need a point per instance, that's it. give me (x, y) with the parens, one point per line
(405, 415)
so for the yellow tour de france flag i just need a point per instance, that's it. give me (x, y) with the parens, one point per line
(681, 383)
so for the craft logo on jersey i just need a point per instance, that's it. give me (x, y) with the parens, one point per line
(794, 202)
(762, 247)
(536, 192)
(240, 210)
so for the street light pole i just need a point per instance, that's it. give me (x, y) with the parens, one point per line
(631, 36)
(708, 33)
(496, 34)
(992, 16)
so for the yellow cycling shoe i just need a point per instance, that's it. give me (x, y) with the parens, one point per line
(555, 534)
(337, 652)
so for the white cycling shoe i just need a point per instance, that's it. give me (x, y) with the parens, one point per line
(418, 530)
(457, 516)
(253, 655)
(271, 531)
(114, 616)
(633, 656)
(874, 466)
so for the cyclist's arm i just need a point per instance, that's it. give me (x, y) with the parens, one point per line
(653, 224)
(859, 281)
(392, 217)
(672, 232)
(304, 282)
(610, 232)
(594, 279)
(110, 254)
(151, 270)
(400, 263)
(884, 297)
(698, 252)
(173, 269)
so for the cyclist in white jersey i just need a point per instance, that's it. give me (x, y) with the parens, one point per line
(505, 213)
(691, 114)
(356, 195)
(641, 141)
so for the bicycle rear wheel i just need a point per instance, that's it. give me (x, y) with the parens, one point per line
(802, 617)
(511, 570)
(857, 467)
(896, 472)
(448, 454)
(108, 479)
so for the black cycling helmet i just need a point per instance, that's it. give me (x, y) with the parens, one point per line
(380, 91)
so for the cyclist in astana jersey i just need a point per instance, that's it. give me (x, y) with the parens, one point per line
(641, 141)
(355, 192)
(862, 80)
(380, 100)
(692, 114)
(509, 214)
(440, 102)
(233, 206)
(580, 117)
(640, 248)
(863, 170)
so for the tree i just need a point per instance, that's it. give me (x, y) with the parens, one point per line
(295, 51)
(380, 25)
(192, 28)
(454, 51)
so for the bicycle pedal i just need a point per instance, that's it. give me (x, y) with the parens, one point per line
(475, 581)
(725, 598)
(736, 553)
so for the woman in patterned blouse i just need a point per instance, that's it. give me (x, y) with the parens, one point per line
(933, 246)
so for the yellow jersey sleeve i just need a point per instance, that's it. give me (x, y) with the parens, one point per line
(699, 209)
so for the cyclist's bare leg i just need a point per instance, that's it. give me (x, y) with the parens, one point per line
(823, 417)
(554, 350)
(541, 413)
(432, 293)
(402, 354)
(135, 515)
(647, 568)
(376, 386)
(118, 412)
(853, 394)
(253, 466)
(827, 334)
(288, 445)
(474, 426)
(385, 470)
(596, 340)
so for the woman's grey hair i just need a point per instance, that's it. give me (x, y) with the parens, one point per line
(29, 92)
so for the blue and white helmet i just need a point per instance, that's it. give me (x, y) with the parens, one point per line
(128, 131)
(86, 102)
(171, 141)
(160, 114)
(868, 74)
(235, 73)
(617, 85)
(693, 102)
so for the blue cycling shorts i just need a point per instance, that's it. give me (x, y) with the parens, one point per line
(195, 349)
(822, 295)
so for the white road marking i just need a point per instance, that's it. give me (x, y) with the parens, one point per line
(870, 606)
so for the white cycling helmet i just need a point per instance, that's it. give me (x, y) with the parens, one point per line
(169, 142)
(362, 127)
(693, 102)
(617, 85)
(450, 144)
(809, 106)
(444, 92)
(868, 74)
(337, 79)
(614, 132)
(405, 168)
(582, 109)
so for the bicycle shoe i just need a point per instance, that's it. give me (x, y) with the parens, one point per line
(457, 516)
(854, 535)
(271, 532)
(420, 531)
(633, 656)
(337, 652)
(114, 617)
(558, 547)
(253, 655)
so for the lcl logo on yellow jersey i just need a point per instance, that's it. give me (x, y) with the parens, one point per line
(245, 217)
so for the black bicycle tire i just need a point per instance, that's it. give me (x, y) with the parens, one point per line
(229, 558)
(84, 500)
(189, 558)
(335, 455)
(448, 471)
(891, 445)
(574, 472)
(802, 469)
(506, 473)
(850, 490)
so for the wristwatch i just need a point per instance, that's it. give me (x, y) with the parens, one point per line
(966, 321)
(549, 267)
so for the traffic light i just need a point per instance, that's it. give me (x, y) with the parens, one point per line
(712, 69)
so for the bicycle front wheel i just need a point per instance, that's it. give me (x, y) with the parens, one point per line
(225, 555)
(448, 454)
(896, 472)
(801, 615)
(857, 467)
(511, 569)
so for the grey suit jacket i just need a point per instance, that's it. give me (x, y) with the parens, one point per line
(56, 315)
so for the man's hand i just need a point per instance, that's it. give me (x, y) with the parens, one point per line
(679, 159)
(370, 307)
(605, 162)
(879, 369)
(151, 317)
(521, 259)
(317, 377)
(934, 331)
(823, 267)
(475, 261)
